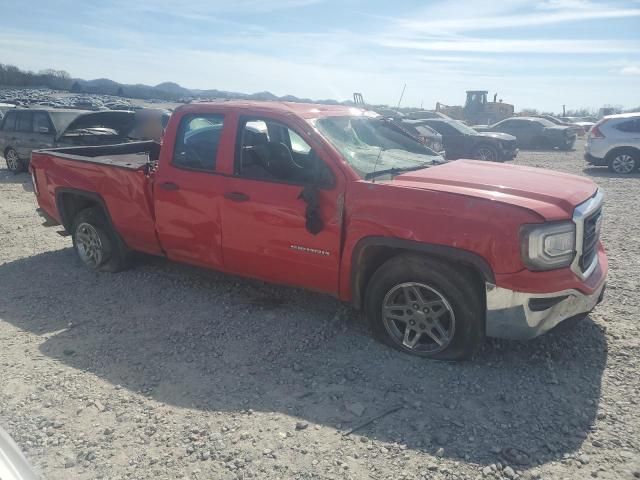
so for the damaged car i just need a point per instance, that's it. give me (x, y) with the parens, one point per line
(535, 133)
(461, 141)
(25, 130)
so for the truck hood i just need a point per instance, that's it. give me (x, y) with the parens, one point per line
(497, 135)
(119, 120)
(552, 195)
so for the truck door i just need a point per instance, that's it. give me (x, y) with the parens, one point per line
(188, 192)
(272, 230)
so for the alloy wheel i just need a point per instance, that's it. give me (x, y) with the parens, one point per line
(623, 163)
(89, 245)
(418, 317)
(13, 162)
(486, 154)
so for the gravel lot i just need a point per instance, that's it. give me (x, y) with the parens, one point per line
(167, 371)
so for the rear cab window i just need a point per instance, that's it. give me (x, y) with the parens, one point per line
(197, 142)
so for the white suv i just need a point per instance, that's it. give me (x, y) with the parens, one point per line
(615, 141)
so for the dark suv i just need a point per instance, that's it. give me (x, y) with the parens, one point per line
(461, 141)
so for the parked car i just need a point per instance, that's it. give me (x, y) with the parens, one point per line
(461, 141)
(584, 123)
(615, 141)
(558, 121)
(422, 114)
(534, 132)
(389, 113)
(438, 254)
(25, 130)
(425, 134)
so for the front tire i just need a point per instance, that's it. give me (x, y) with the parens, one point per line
(98, 246)
(425, 307)
(486, 153)
(624, 162)
(14, 164)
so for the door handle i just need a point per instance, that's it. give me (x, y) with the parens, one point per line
(236, 196)
(169, 186)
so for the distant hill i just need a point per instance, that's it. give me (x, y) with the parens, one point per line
(170, 91)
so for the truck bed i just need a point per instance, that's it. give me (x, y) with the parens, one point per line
(118, 176)
(133, 155)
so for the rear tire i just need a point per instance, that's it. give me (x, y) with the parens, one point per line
(425, 307)
(14, 164)
(98, 246)
(568, 145)
(623, 161)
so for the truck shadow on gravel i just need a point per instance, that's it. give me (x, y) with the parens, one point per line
(195, 339)
(7, 177)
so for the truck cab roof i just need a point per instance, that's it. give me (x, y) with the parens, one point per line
(305, 110)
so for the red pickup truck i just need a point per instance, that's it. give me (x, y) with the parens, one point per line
(339, 200)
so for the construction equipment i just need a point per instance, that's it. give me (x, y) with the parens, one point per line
(477, 110)
(358, 99)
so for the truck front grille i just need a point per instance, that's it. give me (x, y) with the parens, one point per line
(591, 237)
(587, 217)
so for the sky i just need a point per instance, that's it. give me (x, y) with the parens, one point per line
(533, 54)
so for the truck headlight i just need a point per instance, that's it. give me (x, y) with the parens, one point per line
(548, 246)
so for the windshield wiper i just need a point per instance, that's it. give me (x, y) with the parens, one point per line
(397, 170)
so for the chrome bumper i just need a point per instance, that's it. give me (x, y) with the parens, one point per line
(521, 315)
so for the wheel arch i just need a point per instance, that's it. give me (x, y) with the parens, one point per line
(371, 252)
(70, 201)
(614, 151)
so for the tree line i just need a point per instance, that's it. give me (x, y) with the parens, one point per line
(12, 76)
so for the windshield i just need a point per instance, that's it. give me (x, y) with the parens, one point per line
(369, 144)
(62, 119)
(545, 122)
(462, 128)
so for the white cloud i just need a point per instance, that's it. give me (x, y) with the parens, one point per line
(205, 9)
(487, 45)
(630, 70)
(459, 25)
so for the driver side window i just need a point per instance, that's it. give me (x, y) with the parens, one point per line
(271, 151)
(197, 142)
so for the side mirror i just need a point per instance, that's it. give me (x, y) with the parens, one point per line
(322, 176)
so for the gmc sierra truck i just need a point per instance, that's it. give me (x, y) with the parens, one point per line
(339, 200)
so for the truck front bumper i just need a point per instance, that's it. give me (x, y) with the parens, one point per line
(521, 315)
